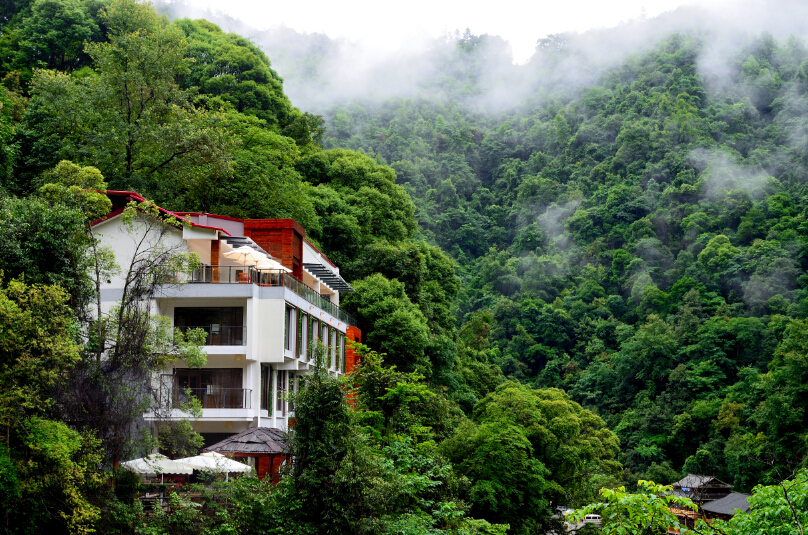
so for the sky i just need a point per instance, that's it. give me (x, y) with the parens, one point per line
(387, 26)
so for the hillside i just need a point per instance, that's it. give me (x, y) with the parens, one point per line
(570, 274)
(636, 239)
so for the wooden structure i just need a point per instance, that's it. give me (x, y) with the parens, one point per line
(267, 445)
(281, 238)
(701, 489)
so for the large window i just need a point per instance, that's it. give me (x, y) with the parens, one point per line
(289, 338)
(215, 388)
(224, 325)
(314, 330)
(332, 347)
(302, 323)
(280, 401)
(266, 387)
(327, 350)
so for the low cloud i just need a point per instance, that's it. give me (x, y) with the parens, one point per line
(721, 174)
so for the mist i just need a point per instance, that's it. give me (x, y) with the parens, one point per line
(320, 72)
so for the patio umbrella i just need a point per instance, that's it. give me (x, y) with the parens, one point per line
(245, 255)
(272, 265)
(215, 462)
(156, 464)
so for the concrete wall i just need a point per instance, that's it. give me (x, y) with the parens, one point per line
(125, 242)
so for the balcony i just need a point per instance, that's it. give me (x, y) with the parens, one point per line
(213, 397)
(250, 275)
(221, 335)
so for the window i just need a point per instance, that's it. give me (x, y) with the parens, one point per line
(342, 352)
(289, 332)
(302, 323)
(266, 387)
(280, 392)
(326, 348)
(215, 388)
(315, 330)
(292, 390)
(224, 325)
(333, 348)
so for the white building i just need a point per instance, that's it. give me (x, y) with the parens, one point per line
(260, 322)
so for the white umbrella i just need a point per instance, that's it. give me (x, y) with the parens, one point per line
(156, 464)
(245, 255)
(215, 462)
(271, 265)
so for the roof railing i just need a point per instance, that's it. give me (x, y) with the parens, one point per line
(266, 277)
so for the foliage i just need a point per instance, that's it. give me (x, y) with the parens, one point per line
(773, 509)
(634, 237)
(528, 450)
(394, 324)
(48, 469)
(45, 244)
(77, 187)
(643, 513)
(130, 120)
(626, 249)
(37, 347)
(229, 66)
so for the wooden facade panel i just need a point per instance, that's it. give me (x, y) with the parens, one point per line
(282, 238)
(351, 358)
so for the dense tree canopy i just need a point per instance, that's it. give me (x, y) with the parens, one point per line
(637, 242)
(570, 274)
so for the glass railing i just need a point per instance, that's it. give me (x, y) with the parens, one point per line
(250, 275)
(213, 397)
(221, 335)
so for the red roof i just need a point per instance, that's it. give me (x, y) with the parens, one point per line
(135, 196)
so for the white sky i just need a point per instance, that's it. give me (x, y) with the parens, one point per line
(388, 25)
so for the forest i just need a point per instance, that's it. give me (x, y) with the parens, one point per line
(582, 273)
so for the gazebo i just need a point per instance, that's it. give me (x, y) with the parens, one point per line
(269, 447)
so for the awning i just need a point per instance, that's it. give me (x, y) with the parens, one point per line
(331, 279)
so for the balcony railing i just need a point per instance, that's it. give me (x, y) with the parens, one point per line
(213, 397)
(250, 275)
(222, 335)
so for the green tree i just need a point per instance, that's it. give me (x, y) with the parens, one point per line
(45, 244)
(643, 513)
(49, 470)
(130, 120)
(233, 68)
(556, 441)
(54, 36)
(393, 325)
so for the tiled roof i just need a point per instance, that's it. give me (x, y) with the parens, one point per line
(266, 440)
(728, 504)
(695, 481)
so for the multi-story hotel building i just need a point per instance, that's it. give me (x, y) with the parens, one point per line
(261, 320)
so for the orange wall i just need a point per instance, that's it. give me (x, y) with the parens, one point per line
(351, 358)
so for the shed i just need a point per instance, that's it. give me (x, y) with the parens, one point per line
(268, 445)
(726, 507)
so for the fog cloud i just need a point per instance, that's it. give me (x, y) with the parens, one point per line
(721, 174)
(320, 71)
